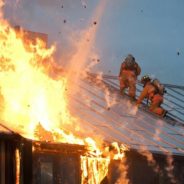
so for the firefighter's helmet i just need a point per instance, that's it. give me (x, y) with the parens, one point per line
(145, 79)
(130, 56)
(130, 62)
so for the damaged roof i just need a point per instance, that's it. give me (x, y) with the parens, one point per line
(100, 106)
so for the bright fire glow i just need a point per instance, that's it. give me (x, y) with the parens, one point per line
(33, 97)
(29, 96)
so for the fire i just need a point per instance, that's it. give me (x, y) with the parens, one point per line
(29, 96)
(33, 87)
(34, 100)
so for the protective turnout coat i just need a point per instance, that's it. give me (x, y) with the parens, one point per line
(128, 77)
(156, 99)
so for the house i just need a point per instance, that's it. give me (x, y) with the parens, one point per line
(155, 146)
(155, 154)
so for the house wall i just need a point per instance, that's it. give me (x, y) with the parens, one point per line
(139, 171)
(53, 167)
(56, 165)
(7, 161)
(26, 162)
(56, 169)
(2, 162)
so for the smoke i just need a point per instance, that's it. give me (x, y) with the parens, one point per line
(84, 3)
(48, 3)
(151, 161)
(84, 46)
(123, 167)
(83, 49)
(170, 169)
(1, 7)
(61, 20)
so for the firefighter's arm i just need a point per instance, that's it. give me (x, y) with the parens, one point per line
(142, 96)
(138, 69)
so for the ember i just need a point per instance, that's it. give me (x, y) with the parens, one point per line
(94, 22)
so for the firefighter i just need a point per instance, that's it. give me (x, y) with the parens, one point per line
(152, 93)
(128, 75)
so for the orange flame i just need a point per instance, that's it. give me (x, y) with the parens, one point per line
(33, 96)
(29, 96)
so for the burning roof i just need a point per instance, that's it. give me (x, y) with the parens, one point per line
(34, 97)
(42, 104)
(34, 100)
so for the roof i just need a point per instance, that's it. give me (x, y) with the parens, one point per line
(8, 134)
(5, 130)
(102, 110)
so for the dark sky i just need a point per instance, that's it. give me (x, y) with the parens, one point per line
(151, 30)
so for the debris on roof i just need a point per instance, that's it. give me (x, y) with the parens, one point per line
(94, 22)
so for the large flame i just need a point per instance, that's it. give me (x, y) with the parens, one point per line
(29, 96)
(33, 99)
(33, 87)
